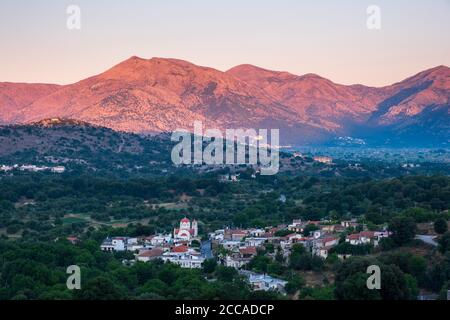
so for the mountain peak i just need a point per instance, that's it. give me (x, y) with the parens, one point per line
(165, 94)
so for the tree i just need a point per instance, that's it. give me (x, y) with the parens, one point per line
(209, 265)
(309, 228)
(294, 284)
(259, 263)
(351, 282)
(403, 229)
(101, 288)
(354, 287)
(444, 243)
(440, 226)
(226, 274)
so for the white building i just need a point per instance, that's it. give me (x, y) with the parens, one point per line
(187, 230)
(297, 225)
(114, 244)
(266, 283)
(185, 259)
(230, 245)
(254, 242)
(236, 262)
(367, 237)
(148, 255)
(159, 240)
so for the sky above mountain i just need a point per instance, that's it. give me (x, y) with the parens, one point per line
(326, 37)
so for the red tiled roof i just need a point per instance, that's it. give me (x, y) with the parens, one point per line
(152, 253)
(180, 249)
(353, 236)
(248, 250)
(185, 220)
(368, 234)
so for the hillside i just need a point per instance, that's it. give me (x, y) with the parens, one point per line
(162, 95)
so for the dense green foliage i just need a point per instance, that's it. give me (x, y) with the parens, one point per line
(40, 206)
(38, 271)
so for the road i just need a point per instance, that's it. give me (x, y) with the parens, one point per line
(206, 249)
(427, 239)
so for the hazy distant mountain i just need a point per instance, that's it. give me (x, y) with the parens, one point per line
(15, 96)
(159, 94)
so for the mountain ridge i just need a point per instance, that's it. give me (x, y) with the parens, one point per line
(165, 94)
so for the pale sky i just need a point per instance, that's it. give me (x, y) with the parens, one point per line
(326, 37)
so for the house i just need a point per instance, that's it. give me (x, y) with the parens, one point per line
(317, 234)
(217, 235)
(179, 250)
(133, 244)
(248, 252)
(235, 262)
(256, 232)
(329, 241)
(114, 244)
(323, 252)
(296, 226)
(58, 169)
(321, 247)
(148, 255)
(325, 160)
(328, 228)
(349, 224)
(293, 238)
(266, 283)
(230, 245)
(236, 235)
(159, 240)
(73, 240)
(364, 237)
(184, 259)
(121, 244)
(229, 178)
(254, 242)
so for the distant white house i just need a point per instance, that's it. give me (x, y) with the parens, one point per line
(322, 159)
(114, 244)
(254, 242)
(148, 255)
(230, 245)
(367, 237)
(159, 240)
(266, 283)
(236, 262)
(184, 257)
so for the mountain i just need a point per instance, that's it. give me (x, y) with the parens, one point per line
(316, 99)
(15, 96)
(79, 145)
(156, 95)
(412, 112)
(159, 95)
(416, 111)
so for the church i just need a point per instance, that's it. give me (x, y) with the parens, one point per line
(187, 230)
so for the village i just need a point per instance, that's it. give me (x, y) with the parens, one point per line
(236, 248)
